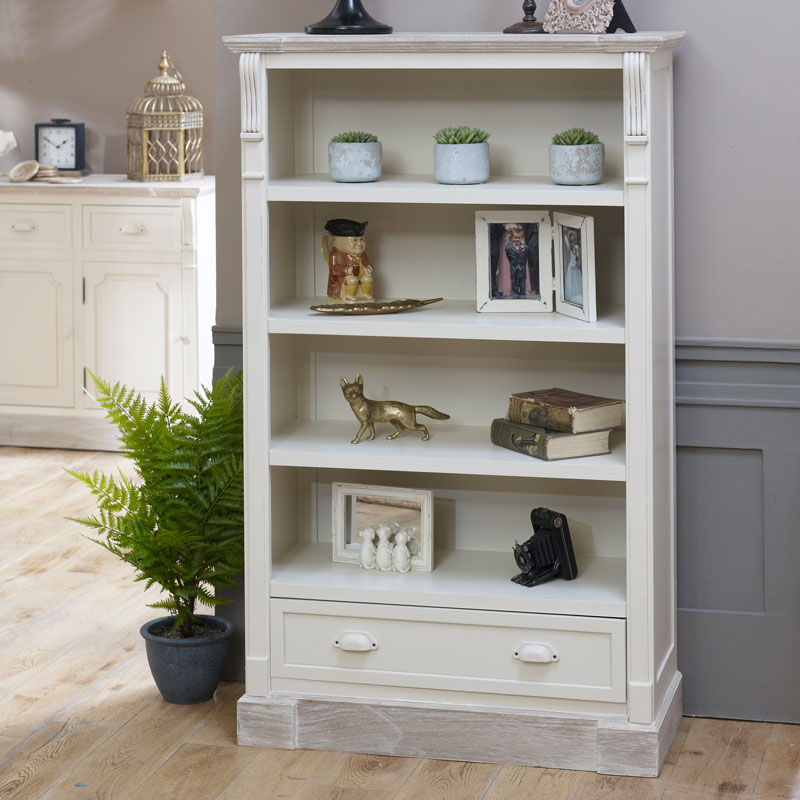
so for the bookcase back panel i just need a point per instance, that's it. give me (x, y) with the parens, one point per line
(470, 380)
(417, 250)
(404, 108)
(470, 512)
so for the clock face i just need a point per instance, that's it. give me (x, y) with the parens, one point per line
(57, 146)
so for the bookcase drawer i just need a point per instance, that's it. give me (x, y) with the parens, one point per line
(539, 655)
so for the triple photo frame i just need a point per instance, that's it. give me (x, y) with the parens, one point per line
(536, 261)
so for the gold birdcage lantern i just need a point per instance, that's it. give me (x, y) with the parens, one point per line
(165, 130)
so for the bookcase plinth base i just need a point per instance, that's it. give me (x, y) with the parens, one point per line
(607, 745)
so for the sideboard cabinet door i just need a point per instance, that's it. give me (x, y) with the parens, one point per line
(36, 360)
(133, 327)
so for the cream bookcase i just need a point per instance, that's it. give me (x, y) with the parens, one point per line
(446, 680)
(112, 275)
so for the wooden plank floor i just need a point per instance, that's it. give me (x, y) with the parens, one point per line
(81, 718)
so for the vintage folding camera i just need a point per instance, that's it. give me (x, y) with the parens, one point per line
(548, 553)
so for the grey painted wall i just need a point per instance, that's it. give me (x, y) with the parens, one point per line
(738, 276)
(737, 123)
(737, 153)
(87, 60)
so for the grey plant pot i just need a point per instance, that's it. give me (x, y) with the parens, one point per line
(461, 163)
(577, 164)
(355, 162)
(187, 671)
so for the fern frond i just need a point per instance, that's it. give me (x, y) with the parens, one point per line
(180, 523)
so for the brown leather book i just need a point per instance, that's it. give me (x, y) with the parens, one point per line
(566, 411)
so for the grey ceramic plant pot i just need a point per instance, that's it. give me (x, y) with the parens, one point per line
(355, 162)
(187, 671)
(577, 164)
(461, 163)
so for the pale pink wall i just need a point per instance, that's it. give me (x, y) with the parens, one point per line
(89, 59)
(737, 149)
(737, 165)
(737, 121)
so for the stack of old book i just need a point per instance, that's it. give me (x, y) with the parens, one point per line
(557, 423)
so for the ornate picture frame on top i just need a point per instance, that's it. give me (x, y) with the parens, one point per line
(578, 16)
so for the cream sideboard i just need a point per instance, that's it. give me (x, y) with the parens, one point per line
(445, 676)
(108, 275)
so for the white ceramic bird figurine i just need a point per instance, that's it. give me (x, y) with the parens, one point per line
(384, 554)
(401, 558)
(413, 545)
(366, 556)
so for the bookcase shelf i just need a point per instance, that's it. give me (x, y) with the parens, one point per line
(520, 190)
(451, 319)
(455, 649)
(478, 579)
(465, 450)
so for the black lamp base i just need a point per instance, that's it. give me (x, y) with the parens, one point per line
(348, 17)
(525, 26)
(529, 24)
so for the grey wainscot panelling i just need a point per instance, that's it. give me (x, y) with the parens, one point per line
(228, 353)
(738, 432)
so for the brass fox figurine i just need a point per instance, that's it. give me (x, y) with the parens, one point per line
(401, 415)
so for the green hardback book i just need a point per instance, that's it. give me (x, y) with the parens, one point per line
(546, 444)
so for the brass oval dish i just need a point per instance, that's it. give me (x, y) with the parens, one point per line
(373, 307)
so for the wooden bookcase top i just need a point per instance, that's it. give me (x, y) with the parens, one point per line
(274, 43)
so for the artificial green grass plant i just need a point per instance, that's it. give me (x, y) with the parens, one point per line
(461, 135)
(576, 136)
(353, 137)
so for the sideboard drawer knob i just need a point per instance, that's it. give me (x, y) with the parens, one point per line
(132, 230)
(355, 642)
(23, 226)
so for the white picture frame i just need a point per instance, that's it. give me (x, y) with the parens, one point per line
(578, 16)
(496, 287)
(573, 255)
(348, 518)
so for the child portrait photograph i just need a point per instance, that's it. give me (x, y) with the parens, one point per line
(514, 261)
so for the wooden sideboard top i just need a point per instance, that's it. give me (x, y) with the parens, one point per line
(117, 184)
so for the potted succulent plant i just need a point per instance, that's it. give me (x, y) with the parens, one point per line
(577, 158)
(461, 155)
(179, 522)
(355, 157)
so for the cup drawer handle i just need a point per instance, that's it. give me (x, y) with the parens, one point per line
(132, 230)
(23, 227)
(536, 653)
(355, 642)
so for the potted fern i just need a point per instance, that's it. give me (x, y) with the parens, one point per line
(461, 155)
(355, 157)
(577, 158)
(179, 522)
